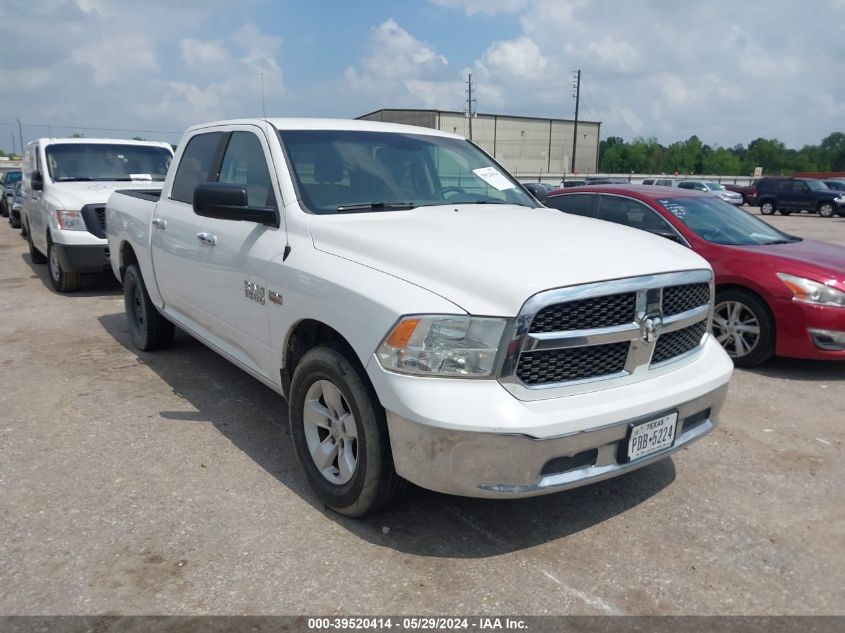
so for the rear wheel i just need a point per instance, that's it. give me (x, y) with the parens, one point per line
(767, 207)
(148, 328)
(826, 210)
(339, 433)
(62, 280)
(744, 327)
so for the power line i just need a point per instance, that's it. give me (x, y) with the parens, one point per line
(84, 127)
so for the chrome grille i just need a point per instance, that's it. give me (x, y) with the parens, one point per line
(586, 313)
(615, 329)
(677, 299)
(678, 342)
(578, 363)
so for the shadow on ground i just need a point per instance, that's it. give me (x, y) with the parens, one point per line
(254, 418)
(800, 369)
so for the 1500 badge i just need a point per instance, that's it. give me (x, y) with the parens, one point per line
(254, 292)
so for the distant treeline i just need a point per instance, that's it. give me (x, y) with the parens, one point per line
(647, 156)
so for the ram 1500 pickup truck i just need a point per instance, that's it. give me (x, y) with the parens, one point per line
(425, 317)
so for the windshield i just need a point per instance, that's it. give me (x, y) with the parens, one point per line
(816, 185)
(11, 177)
(103, 161)
(719, 222)
(343, 170)
(714, 186)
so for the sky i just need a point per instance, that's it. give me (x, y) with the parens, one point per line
(728, 71)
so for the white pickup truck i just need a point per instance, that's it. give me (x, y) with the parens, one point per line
(425, 317)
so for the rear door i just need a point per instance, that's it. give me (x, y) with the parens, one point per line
(233, 258)
(174, 243)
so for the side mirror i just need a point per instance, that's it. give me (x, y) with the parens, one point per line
(537, 190)
(225, 201)
(36, 181)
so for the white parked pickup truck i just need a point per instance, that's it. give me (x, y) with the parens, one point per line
(425, 317)
(66, 182)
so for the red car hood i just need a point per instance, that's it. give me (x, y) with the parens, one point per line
(828, 259)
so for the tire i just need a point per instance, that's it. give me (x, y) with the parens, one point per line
(147, 327)
(35, 256)
(62, 280)
(736, 309)
(329, 386)
(767, 207)
(827, 210)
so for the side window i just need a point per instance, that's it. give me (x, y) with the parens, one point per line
(800, 185)
(195, 165)
(686, 185)
(244, 164)
(784, 185)
(576, 203)
(631, 213)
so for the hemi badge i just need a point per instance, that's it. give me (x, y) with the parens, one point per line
(276, 298)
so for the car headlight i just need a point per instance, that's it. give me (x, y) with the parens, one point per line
(70, 220)
(442, 345)
(16, 206)
(809, 291)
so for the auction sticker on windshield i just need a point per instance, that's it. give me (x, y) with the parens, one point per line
(652, 436)
(494, 178)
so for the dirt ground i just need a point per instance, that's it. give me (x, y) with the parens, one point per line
(166, 483)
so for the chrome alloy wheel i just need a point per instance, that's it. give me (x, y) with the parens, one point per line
(330, 432)
(736, 327)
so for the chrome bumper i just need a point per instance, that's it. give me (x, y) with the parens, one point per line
(510, 466)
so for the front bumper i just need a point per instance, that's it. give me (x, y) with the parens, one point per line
(83, 259)
(473, 438)
(797, 325)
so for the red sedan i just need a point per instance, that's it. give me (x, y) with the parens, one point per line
(775, 293)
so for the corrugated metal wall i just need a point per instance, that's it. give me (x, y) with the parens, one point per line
(521, 144)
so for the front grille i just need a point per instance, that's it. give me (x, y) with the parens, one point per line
(577, 363)
(94, 216)
(677, 299)
(585, 314)
(101, 217)
(679, 342)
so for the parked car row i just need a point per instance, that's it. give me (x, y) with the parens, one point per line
(420, 311)
(775, 293)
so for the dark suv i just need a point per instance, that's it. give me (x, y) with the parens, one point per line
(798, 194)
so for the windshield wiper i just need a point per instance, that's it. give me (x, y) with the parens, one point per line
(373, 206)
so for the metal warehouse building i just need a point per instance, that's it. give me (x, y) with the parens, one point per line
(526, 146)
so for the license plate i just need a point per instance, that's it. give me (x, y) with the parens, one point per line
(652, 436)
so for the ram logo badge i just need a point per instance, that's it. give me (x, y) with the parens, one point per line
(651, 327)
(254, 292)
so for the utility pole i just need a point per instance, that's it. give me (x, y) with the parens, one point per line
(14, 148)
(20, 131)
(470, 111)
(576, 92)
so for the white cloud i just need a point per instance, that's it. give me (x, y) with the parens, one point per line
(514, 59)
(114, 54)
(486, 7)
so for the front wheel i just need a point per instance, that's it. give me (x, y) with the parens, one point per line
(826, 210)
(744, 327)
(767, 207)
(339, 433)
(148, 328)
(62, 280)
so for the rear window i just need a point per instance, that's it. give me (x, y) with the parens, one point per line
(11, 177)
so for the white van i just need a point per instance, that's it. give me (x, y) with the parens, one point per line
(66, 182)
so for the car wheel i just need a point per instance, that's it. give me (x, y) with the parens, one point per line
(35, 256)
(339, 433)
(767, 207)
(147, 327)
(744, 327)
(826, 210)
(62, 281)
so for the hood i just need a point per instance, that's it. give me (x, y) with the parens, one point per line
(821, 260)
(75, 195)
(488, 259)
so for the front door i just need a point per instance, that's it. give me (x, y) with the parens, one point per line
(232, 263)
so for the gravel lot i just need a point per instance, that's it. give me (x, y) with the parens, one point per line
(166, 484)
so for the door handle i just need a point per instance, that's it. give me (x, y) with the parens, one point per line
(159, 223)
(207, 238)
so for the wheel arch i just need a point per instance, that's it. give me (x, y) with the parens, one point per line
(305, 335)
(765, 301)
(127, 257)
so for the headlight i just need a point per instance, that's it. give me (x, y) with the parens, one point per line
(70, 220)
(16, 206)
(442, 345)
(809, 291)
